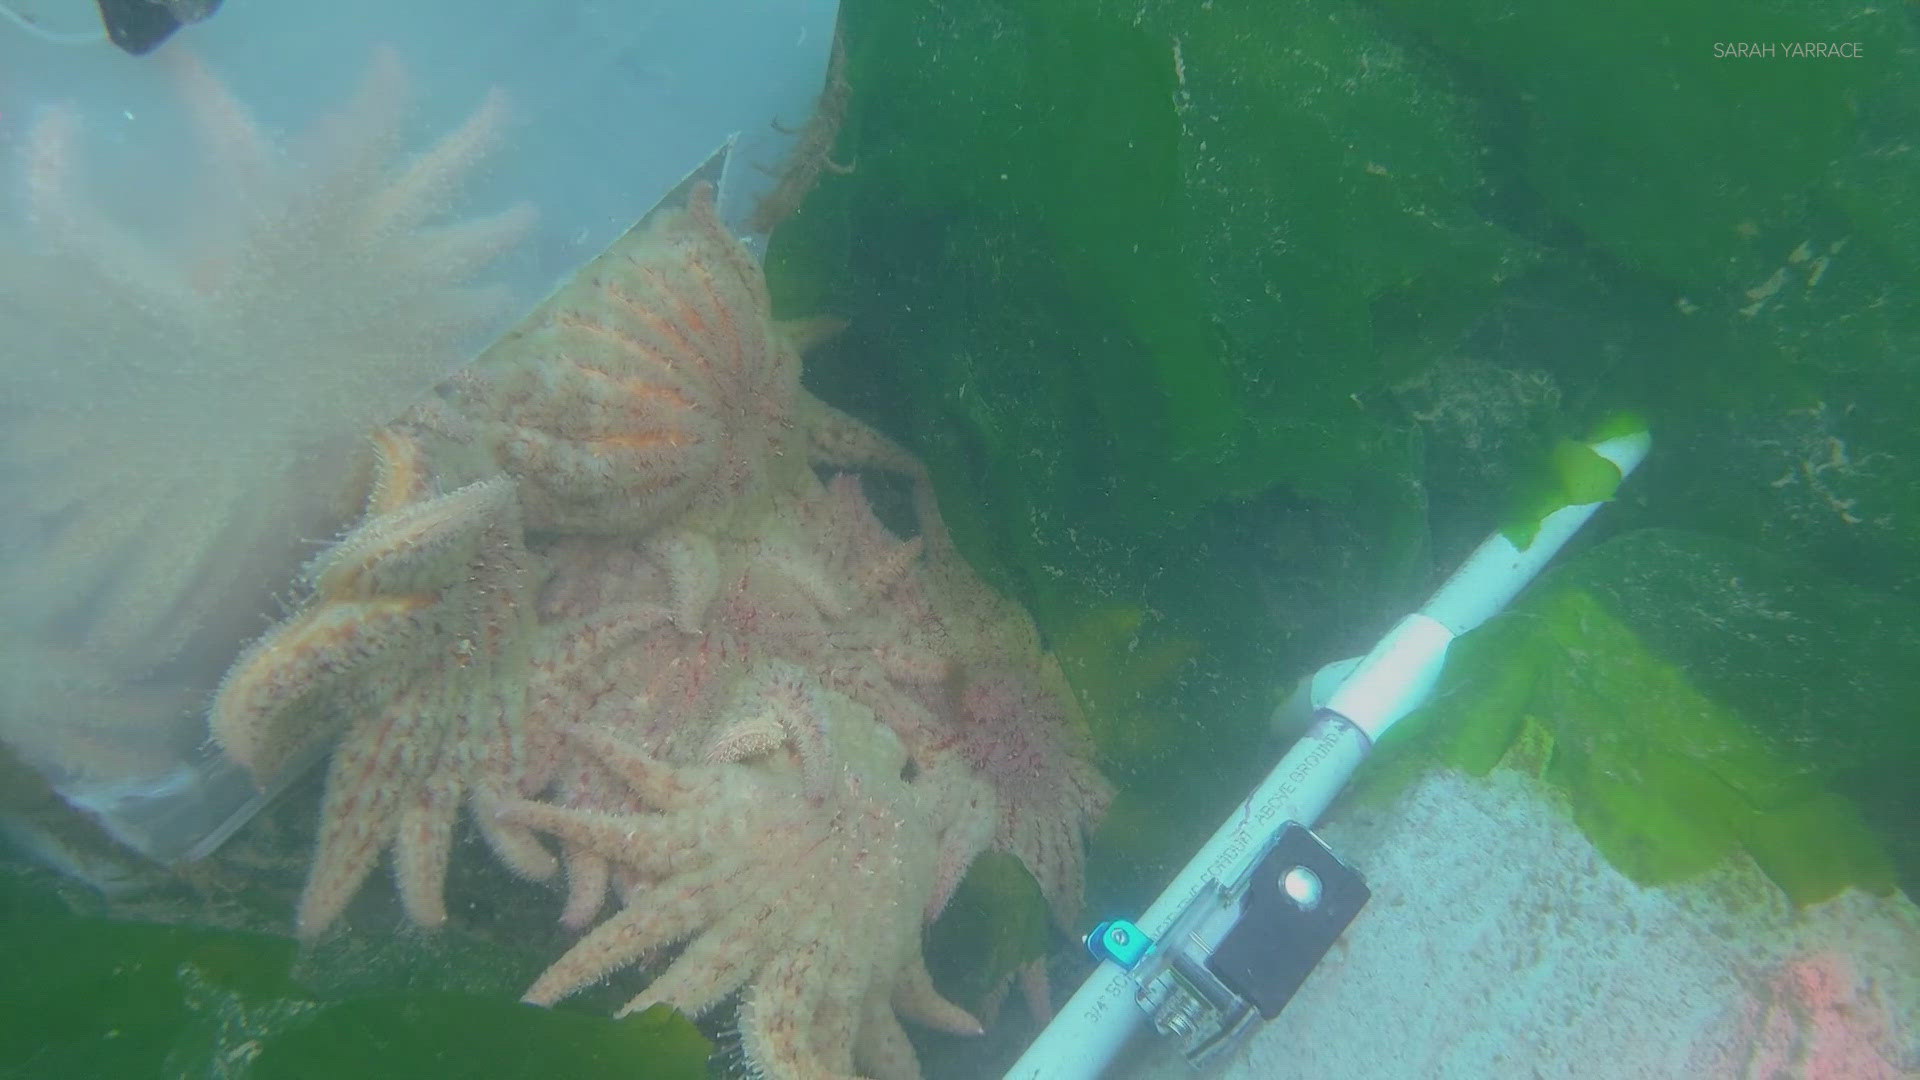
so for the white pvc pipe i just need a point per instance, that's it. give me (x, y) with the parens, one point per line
(1388, 683)
(1497, 570)
(1088, 1032)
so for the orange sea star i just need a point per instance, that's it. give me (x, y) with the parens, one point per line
(779, 731)
(654, 384)
(801, 875)
(415, 643)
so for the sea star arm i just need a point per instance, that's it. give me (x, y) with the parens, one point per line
(416, 640)
(653, 384)
(622, 939)
(836, 438)
(915, 998)
(655, 844)
(693, 574)
(714, 964)
(777, 704)
(667, 787)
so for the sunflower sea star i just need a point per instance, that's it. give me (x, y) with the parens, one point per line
(655, 384)
(601, 593)
(1020, 739)
(764, 864)
(184, 399)
(416, 640)
(337, 269)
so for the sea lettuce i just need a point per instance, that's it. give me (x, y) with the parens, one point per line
(1693, 699)
(90, 995)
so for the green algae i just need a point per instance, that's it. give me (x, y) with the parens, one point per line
(1692, 700)
(1662, 150)
(996, 924)
(90, 995)
(1256, 317)
(1575, 476)
(446, 1034)
(1176, 218)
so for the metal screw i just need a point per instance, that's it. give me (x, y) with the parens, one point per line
(1302, 886)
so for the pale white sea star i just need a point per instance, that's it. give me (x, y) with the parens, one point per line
(413, 652)
(801, 874)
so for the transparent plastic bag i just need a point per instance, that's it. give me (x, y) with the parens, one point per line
(225, 261)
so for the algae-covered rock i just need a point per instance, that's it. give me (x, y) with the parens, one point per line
(1252, 316)
(1694, 699)
(1687, 140)
(1175, 246)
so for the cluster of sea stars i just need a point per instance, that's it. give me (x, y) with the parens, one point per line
(614, 587)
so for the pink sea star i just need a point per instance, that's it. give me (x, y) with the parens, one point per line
(1020, 739)
(801, 875)
(738, 692)
(653, 385)
(415, 643)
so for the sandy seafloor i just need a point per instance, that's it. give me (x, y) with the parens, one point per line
(1499, 943)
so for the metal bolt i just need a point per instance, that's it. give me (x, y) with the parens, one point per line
(1302, 886)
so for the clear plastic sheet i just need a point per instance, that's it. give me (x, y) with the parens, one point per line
(223, 262)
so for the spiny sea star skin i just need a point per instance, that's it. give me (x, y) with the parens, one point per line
(838, 440)
(415, 639)
(804, 583)
(812, 152)
(800, 875)
(818, 581)
(808, 580)
(656, 383)
(1020, 739)
(767, 722)
(1012, 715)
